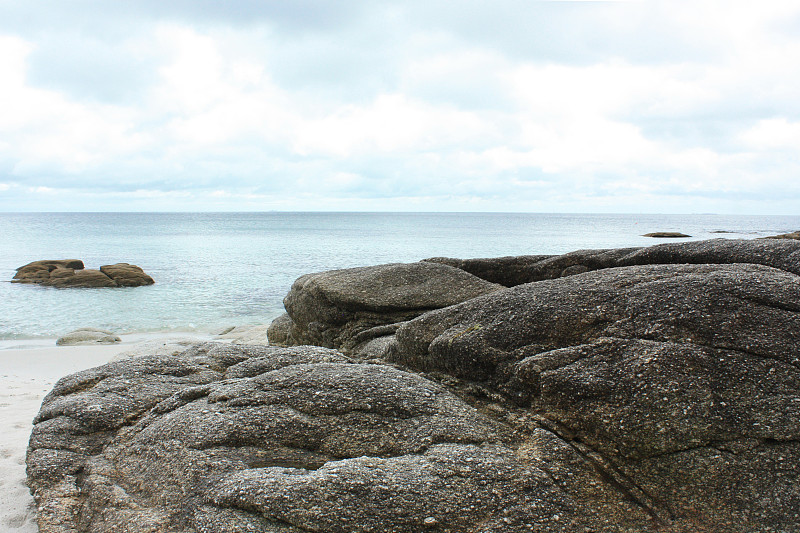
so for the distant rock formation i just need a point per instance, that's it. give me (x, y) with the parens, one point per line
(795, 235)
(70, 273)
(649, 390)
(666, 235)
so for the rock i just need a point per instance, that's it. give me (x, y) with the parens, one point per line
(246, 335)
(279, 331)
(332, 308)
(794, 235)
(71, 273)
(779, 254)
(126, 275)
(666, 235)
(39, 271)
(507, 271)
(226, 438)
(648, 390)
(163, 346)
(88, 337)
(686, 378)
(87, 278)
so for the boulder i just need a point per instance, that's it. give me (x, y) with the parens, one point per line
(795, 235)
(333, 308)
(779, 254)
(686, 378)
(126, 275)
(70, 273)
(648, 390)
(88, 337)
(666, 235)
(246, 334)
(39, 271)
(507, 271)
(251, 438)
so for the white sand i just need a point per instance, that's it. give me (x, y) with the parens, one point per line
(27, 373)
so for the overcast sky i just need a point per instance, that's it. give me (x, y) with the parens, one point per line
(419, 105)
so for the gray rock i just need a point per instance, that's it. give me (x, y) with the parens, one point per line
(666, 235)
(507, 271)
(279, 331)
(246, 335)
(88, 337)
(526, 269)
(647, 390)
(686, 378)
(332, 308)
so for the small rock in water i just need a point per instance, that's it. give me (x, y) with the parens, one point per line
(666, 235)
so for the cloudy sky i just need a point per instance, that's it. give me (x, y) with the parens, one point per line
(420, 105)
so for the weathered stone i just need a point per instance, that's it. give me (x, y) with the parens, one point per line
(87, 337)
(666, 235)
(332, 308)
(126, 275)
(39, 271)
(279, 331)
(70, 273)
(647, 390)
(795, 235)
(507, 271)
(657, 369)
(779, 254)
(86, 278)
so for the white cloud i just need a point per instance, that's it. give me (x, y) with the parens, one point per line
(516, 104)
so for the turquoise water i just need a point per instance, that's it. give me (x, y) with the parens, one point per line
(219, 269)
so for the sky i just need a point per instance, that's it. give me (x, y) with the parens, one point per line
(415, 105)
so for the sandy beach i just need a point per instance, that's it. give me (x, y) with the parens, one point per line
(28, 370)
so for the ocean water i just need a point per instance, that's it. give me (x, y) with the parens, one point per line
(214, 270)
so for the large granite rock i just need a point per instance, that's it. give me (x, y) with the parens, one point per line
(686, 378)
(70, 273)
(655, 397)
(247, 438)
(345, 308)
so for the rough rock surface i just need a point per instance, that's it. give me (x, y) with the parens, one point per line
(126, 275)
(87, 337)
(783, 255)
(793, 235)
(71, 273)
(666, 235)
(339, 308)
(660, 398)
(686, 378)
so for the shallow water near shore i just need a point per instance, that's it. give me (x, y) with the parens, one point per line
(220, 269)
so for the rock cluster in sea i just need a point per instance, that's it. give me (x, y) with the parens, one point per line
(63, 273)
(635, 390)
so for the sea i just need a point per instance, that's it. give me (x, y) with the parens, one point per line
(217, 270)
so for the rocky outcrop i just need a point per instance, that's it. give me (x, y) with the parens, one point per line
(666, 235)
(70, 273)
(685, 378)
(346, 308)
(795, 235)
(88, 337)
(782, 255)
(658, 397)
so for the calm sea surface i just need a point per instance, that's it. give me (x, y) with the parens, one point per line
(220, 269)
